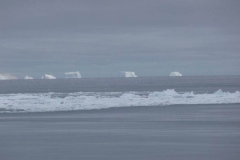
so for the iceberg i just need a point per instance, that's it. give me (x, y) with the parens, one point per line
(7, 76)
(28, 77)
(48, 76)
(73, 74)
(127, 74)
(175, 74)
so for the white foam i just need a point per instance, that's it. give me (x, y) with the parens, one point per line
(175, 74)
(48, 76)
(127, 74)
(73, 74)
(44, 102)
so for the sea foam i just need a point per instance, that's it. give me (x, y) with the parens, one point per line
(45, 102)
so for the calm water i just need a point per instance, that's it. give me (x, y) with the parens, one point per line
(198, 84)
(181, 132)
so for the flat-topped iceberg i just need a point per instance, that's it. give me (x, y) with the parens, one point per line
(175, 74)
(28, 77)
(48, 76)
(73, 74)
(7, 76)
(127, 74)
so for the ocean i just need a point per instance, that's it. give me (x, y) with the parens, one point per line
(183, 118)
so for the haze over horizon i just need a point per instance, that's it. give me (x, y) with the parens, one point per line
(100, 38)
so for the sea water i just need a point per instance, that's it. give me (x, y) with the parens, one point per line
(99, 93)
(182, 118)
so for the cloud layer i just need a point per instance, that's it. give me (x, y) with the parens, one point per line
(99, 38)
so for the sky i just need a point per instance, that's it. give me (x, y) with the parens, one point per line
(101, 37)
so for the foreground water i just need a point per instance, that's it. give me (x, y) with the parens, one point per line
(182, 132)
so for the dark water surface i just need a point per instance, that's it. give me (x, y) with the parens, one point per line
(181, 132)
(198, 84)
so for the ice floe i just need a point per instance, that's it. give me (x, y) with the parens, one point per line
(7, 77)
(48, 76)
(28, 77)
(175, 74)
(127, 74)
(73, 74)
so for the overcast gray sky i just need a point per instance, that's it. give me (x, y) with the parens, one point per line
(101, 37)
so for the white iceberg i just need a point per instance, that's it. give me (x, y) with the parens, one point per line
(28, 77)
(127, 74)
(48, 76)
(175, 74)
(7, 76)
(73, 74)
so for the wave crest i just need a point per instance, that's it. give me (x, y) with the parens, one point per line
(44, 102)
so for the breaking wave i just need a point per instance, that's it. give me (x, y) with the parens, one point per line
(45, 102)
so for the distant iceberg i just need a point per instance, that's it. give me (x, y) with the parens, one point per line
(127, 74)
(48, 76)
(7, 76)
(73, 74)
(28, 77)
(175, 74)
